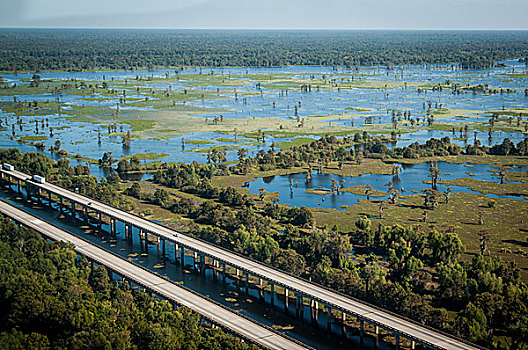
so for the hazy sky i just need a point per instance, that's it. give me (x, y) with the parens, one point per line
(314, 14)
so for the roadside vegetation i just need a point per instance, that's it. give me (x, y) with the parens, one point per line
(53, 299)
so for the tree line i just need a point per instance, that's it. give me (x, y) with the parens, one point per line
(91, 49)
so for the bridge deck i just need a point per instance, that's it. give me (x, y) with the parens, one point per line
(158, 285)
(351, 306)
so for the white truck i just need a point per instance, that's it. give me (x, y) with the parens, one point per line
(9, 167)
(38, 179)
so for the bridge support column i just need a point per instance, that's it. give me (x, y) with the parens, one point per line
(272, 293)
(163, 244)
(86, 214)
(176, 248)
(315, 311)
(343, 325)
(202, 264)
(112, 227)
(361, 328)
(182, 256)
(49, 199)
(195, 258)
(328, 317)
(286, 299)
(376, 339)
(297, 305)
(19, 188)
(99, 220)
(215, 269)
(247, 283)
(72, 209)
(413, 344)
(141, 237)
(224, 272)
(397, 341)
(261, 292)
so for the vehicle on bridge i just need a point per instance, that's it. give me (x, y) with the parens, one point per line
(9, 167)
(38, 179)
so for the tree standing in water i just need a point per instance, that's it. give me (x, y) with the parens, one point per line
(502, 175)
(368, 191)
(434, 174)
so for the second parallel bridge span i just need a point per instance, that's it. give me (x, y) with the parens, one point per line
(364, 312)
(211, 311)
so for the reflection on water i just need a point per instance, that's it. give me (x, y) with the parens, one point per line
(82, 138)
(409, 181)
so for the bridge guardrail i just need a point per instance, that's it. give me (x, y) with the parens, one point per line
(442, 332)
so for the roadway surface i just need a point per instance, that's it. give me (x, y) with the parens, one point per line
(219, 315)
(386, 320)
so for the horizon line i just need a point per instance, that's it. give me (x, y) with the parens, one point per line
(278, 29)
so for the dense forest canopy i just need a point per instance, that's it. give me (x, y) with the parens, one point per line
(52, 299)
(90, 49)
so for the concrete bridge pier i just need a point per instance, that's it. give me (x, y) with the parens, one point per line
(272, 294)
(163, 248)
(328, 317)
(247, 283)
(202, 264)
(361, 332)
(215, 271)
(298, 301)
(286, 300)
(130, 234)
(142, 238)
(260, 289)
(60, 205)
(343, 325)
(49, 199)
(314, 306)
(112, 227)
(224, 272)
(19, 188)
(99, 221)
(73, 209)
(176, 248)
(397, 341)
(195, 262)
